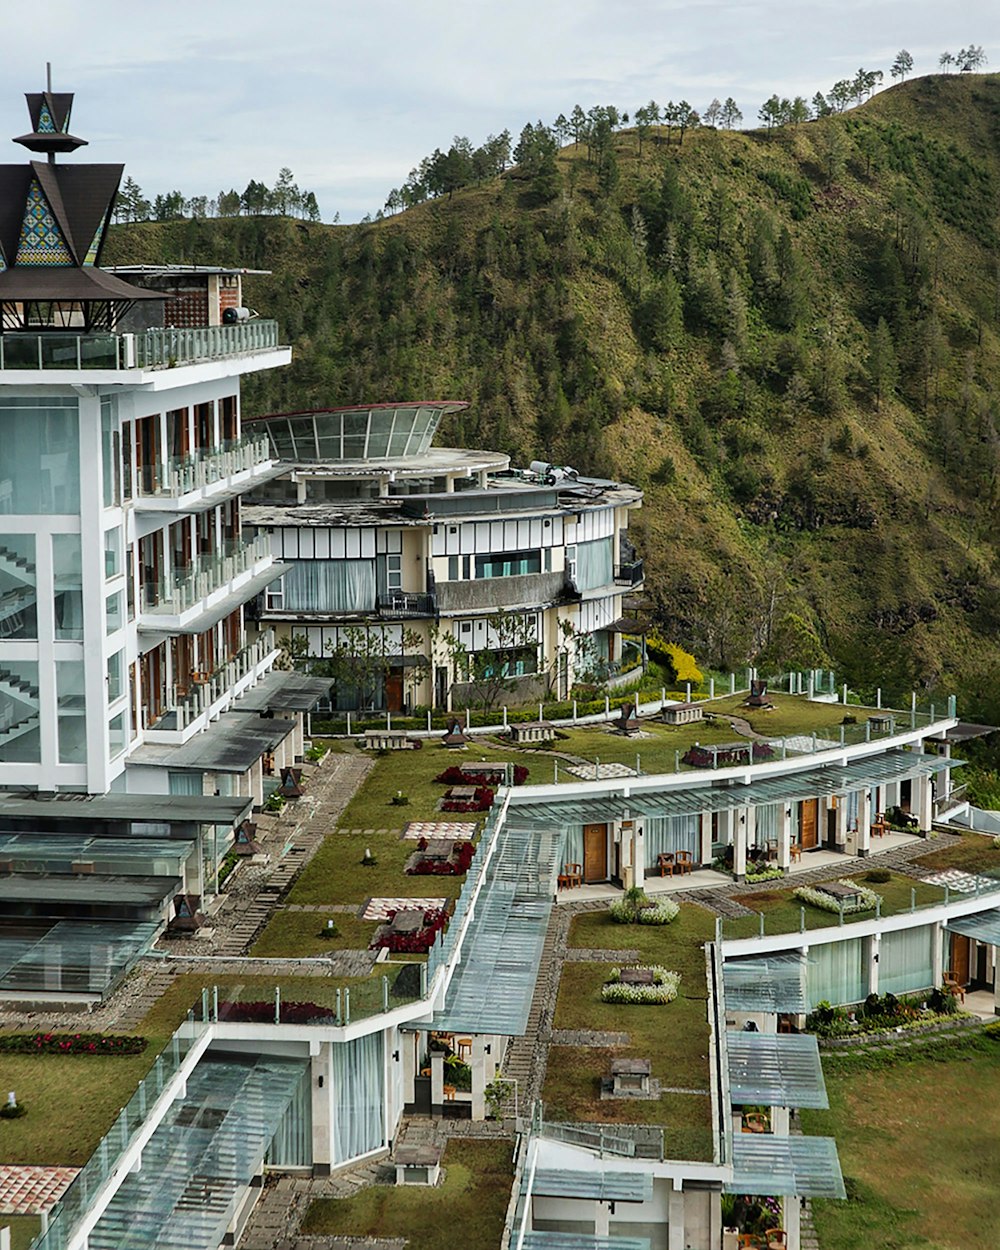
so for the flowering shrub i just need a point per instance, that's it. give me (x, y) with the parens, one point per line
(481, 803)
(702, 757)
(663, 911)
(454, 775)
(71, 1044)
(635, 908)
(663, 989)
(416, 943)
(755, 873)
(867, 899)
(456, 866)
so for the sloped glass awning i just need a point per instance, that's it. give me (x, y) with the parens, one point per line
(777, 1069)
(201, 1157)
(984, 926)
(764, 1163)
(70, 957)
(773, 983)
(693, 800)
(579, 1241)
(491, 989)
(61, 852)
(604, 1186)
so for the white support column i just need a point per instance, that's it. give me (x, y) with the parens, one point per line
(437, 1078)
(602, 1217)
(922, 806)
(705, 838)
(996, 981)
(675, 1232)
(792, 1217)
(321, 1073)
(736, 833)
(864, 823)
(779, 1121)
(748, 824)
(639, 853)
(870, 950)
(784, 837)
(840, 836)
(479, 1077)
(939, 951)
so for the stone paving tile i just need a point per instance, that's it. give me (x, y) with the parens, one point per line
(593, 955)
(29, 1189)
(379, 908)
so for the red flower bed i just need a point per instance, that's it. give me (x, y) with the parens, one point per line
(71, 1044)
(454, 775)
(463, 853)
(418, 943)
(481, 803)
(289, 1013)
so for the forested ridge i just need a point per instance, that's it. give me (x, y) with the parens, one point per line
(790, 338)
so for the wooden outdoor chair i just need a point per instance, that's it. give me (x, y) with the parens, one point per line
(953, 985)
(753, 1241)
(666, 863)
(756, 1122)
(777, 1239)
(683, 862)
(573, 874)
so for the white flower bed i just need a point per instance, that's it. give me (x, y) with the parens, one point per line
(663, 911)
(867, 900)
(663, 990)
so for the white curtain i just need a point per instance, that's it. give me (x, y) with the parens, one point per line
(185, 783)
(291, 1146)
(357, 1075)
(906, 961)
(662, 834)
(853, 801)
(330, 586)
(766, 825)
(573, 852)
(836, 974)
(594, 564)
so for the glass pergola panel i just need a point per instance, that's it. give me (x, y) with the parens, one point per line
(491, 989)
(201, 1157)
(581, 1241)
(693, 800)
(605, 1186)
(984, 927)
(775, 983)
(72, 956)
(57, 852)
(807, 1167)
(777, 1069)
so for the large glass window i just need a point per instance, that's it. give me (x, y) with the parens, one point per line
(116, 676)
(330, 586)
(19, 738)
(358, 1094)
(110, 451)
(114, 546)
(114, 611)
(508, 564)
(72, 712)
(906, 960)
(117, 734)
(837, 973)
(39, 456)
(67, 574)
(594, 564)
(18, 587)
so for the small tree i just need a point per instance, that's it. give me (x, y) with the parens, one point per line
(511, 640)
(902, 65)
(730, 115)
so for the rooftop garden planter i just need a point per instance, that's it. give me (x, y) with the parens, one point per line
(417, 942)
(660, 990)
(481, 803)
(455, 776)
(727, 757)
(71, 1044)
(455, 866)
(635, 908)
(867, 900)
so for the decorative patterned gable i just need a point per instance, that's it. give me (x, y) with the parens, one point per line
(41, 240)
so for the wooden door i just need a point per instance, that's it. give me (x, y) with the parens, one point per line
(807, 823)
(394, 690)
(959, 967)
(595, 852)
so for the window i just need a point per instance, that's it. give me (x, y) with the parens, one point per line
(67, 585)
(114, 612)
(72, 707)
(453, 568)
(394, 572)
(39, 456)
(274, 596)
(117, 734)
(508, 564)
(19, 738)
(116, 676)
(113, 547)
(110, 451)
(18, 587)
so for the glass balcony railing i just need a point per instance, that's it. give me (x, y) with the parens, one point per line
(185, 705)
(148, 349)
(181, 474)
(176, 593)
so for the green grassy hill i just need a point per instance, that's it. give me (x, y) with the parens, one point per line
(704, 320)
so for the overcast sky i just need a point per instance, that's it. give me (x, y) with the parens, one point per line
(202, 96)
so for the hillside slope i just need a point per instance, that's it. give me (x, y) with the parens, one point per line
(791, 341)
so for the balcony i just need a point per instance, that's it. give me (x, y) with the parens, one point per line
(148, 349)
(210, 693)
(399, 605)
(491, 594)
(629, 575)
(160, 485)
(204, 591)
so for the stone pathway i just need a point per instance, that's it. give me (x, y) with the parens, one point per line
(600, 772)
(30, 1190)
(591, 955)
(589, 1037)
(957, 880)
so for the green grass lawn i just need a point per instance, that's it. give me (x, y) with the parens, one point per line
(783, 912)
(974, 853)
(72, 1102)
(791, 714)
(23, 1229)
(467, 1209)
(674, 1037)
(297, 934)
(658, 751)
(919, 1144)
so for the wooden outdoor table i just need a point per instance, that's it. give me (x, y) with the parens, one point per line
(636, 976)
(462, 792)
(842, 893)
(409, 921)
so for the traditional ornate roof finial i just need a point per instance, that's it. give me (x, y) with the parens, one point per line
(49, 112)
